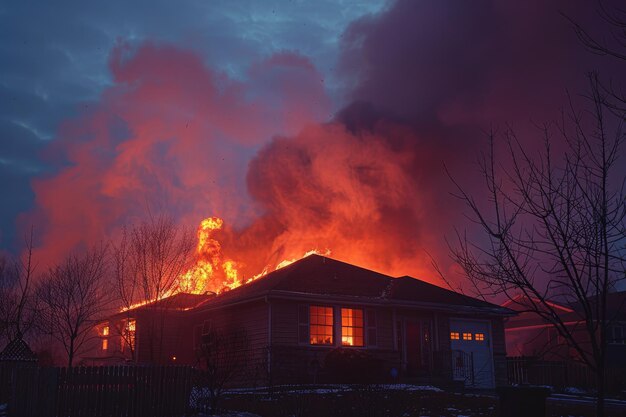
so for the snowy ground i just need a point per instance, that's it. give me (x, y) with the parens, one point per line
(331, 389)
(396, 400)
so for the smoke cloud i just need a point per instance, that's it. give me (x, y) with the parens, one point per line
(422, 81)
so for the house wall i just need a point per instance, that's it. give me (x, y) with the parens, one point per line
(273, 346)
(443, 344)
(117, 351)
(442, 359)
(252, 320)
(161, 337)
(285, 324)
(499, 351)
(295, 362)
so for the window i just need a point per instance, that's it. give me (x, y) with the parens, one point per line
(321, 325)
(351, 327)
(467, 336)
(105, 331)
(105, 344)
(479, 337)
(455, 336)
(130, 331)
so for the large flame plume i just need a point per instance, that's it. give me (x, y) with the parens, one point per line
(213, 270)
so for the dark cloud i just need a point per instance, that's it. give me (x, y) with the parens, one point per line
(424, 82)
(482, 62)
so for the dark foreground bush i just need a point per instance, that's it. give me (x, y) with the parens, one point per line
(349, 365)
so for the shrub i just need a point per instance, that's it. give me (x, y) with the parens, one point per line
(349, 365)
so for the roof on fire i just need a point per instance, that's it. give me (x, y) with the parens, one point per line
(317, 275)
(180, 301)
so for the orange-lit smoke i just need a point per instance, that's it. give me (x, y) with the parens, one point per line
(277, 179)
(215, 272)
(171, 135)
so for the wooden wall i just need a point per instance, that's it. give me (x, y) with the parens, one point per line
(499, 351)
(294, 362)
(252, 319)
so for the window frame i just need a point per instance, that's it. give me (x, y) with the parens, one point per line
(303, 333)
(129, 337)
(363, 326)
(333, 340)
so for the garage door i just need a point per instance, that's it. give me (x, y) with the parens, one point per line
(472, 359)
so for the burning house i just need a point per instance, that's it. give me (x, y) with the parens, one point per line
(296, 316)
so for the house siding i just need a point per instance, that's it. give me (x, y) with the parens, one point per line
(499, 351)
(252, 319)
(384, 329)
(284, 323)
(161, 337)
(294, 362)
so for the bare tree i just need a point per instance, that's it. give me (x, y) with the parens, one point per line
(18, 305)
(611, 45)
(74, 297)
(148, 260)
(162, 252)
(126, 290)
(6, 300)
(222, 357)
(554, 228)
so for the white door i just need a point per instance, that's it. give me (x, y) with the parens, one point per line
(471, 352)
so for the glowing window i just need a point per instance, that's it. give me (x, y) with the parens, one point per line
(455, 335)
(467, 336)
(479, 337)
(105, 344)
(321, 325)
(130, 330)
(351, 327)
(105, 331)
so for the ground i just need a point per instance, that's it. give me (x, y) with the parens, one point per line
(388, 401)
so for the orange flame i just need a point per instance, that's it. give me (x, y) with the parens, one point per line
(212, 266)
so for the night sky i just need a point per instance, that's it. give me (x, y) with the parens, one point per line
(303, 124)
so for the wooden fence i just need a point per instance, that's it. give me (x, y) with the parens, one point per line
(107, 391)
(529, 370)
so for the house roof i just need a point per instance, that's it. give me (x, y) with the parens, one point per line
(569, 313)
(180, 301)
(318, 275)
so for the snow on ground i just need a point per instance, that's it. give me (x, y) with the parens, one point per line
(574, 391)
(332, 389)
(231, 414)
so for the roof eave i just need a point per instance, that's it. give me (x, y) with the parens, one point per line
(379, 301)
